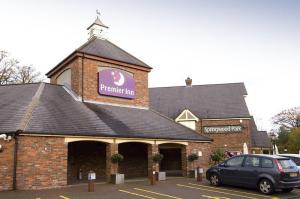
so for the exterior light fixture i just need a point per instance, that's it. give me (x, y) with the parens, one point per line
(1, 148)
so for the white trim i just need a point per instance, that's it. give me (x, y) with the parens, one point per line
(120, 138)
(119, 105)
(76, 97)
(185, 111)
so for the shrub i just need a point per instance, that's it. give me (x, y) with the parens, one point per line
(157, 158)
(192, 157)
(116, 158)
(217, 155)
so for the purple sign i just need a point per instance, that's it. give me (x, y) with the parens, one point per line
(117, 83)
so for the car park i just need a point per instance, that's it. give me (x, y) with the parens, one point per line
(264, 172)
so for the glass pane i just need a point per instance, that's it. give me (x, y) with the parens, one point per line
(286, 164)
(266, 163)
(252, 162)
(235, 162)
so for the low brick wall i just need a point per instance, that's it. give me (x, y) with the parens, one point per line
(6, 165)
(42, 162)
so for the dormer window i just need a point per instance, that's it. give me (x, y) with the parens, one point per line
(188, 119)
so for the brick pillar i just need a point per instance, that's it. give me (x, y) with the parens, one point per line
(111, 148)
(184, 162)
(152, 149)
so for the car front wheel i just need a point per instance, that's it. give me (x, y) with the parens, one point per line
(266, 186)
(214, 180)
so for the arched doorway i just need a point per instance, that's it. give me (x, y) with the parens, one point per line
(172, 162)
(135, 163)
(85, 156)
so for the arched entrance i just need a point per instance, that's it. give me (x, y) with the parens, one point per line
(85, 156)
(135, 163)
(172, 162)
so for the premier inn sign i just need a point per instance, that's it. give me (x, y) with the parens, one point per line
(223, 129)
(117, 83)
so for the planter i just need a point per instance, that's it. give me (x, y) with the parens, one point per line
(117, 178)
(160, 176)
(192, 174)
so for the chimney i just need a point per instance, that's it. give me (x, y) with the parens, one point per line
(188, 81)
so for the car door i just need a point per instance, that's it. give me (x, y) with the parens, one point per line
(249, 171)
(229, 173)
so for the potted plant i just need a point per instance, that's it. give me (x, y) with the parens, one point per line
(157, 158)
(117, 178)
(217, 156)
(192, 158)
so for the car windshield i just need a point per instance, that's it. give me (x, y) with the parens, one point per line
(286, 164)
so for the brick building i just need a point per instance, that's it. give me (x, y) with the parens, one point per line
(97, 105)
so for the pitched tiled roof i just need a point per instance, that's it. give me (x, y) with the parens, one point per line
(105, 49)
(205, 101)
(57, 112)
(14, 100)
(259, 139)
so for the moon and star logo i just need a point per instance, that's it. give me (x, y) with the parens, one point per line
(118, 78)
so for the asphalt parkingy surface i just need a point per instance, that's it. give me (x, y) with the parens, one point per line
(175, 188)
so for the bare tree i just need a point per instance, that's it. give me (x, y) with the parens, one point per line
(13, 73)
(288, 119)
(27, 74)
(7, 68)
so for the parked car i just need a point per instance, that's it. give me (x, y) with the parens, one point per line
(294, 157)
(264, 172)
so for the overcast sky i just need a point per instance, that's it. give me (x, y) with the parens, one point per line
(256, 41)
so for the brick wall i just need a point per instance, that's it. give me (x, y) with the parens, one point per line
(204, 160)
(90, 83)
(6, 165)
(42, 162)
(234, 141)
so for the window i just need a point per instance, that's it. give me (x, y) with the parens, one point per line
(188, 119)
(266, 163)
(235, 162)
(286, 164)
(297, 161)
(251, 162)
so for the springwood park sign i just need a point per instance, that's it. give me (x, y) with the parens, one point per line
(117, 83)
(223, 129)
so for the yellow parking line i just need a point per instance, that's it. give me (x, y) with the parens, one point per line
(136, 194)
(214, 197)
(161, 194)
(64, 197)
(242, 192)
(198, 188)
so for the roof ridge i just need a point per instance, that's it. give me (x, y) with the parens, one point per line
(197, 85)
(30, 108)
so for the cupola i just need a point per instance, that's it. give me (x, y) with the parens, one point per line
(97, 29)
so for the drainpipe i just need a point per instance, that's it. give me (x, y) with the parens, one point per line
(82, 77)
(14, 185)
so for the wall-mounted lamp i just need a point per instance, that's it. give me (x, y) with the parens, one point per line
(1, 148)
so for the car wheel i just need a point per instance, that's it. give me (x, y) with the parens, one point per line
(266, 186)
(287, 190)
(214, 179)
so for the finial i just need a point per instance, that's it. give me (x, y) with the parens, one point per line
(98, 13)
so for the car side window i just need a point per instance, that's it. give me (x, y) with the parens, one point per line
(252, 162)
(297, 161)
(266, 163)
(235, 162)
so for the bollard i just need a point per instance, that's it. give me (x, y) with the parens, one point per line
(152, 178)
(199, 174)
(91, 181)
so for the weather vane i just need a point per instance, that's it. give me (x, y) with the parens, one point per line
(98, 13)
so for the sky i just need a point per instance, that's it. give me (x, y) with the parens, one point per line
(215, 41)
